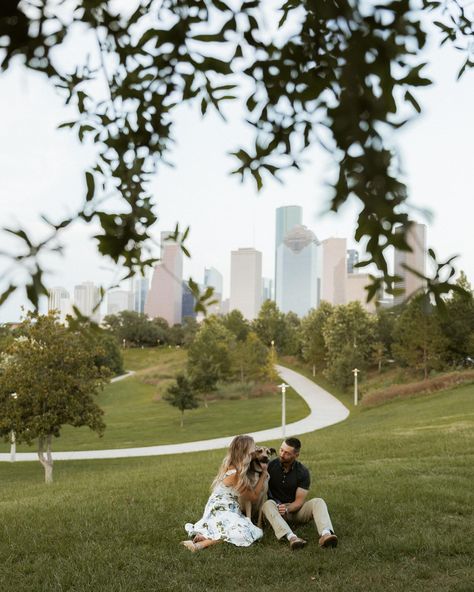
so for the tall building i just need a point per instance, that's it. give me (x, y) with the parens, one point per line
(165, 296)
(188, 302)
(246, 282)
(86, 299)
(119, 300)
(59, 300)
(352, 260)
(267, 289)
(298, 287)
(140, 291)
(356, 291)
(334, 271)
(213, 279)
(287, 217)
(415, 259)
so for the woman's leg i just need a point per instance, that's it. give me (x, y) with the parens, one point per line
(193, 547)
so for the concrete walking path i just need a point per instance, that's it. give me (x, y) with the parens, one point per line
(325, 409)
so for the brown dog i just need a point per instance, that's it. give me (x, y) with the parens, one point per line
(261, 456)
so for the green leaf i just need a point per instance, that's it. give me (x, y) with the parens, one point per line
(90, 186)
(411, 99)
(5, 295)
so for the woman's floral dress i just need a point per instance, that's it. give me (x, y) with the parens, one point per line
(223, 519)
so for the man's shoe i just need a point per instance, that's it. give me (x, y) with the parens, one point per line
(328, 540)
(297, 543)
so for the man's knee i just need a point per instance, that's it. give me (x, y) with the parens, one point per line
(268, 506)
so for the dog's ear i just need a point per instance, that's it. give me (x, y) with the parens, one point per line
(272, 451)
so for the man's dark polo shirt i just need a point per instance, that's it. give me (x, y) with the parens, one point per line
(282, 486)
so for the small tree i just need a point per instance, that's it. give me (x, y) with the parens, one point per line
(182, 395)
(51, 371)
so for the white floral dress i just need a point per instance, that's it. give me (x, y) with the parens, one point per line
(223, 519)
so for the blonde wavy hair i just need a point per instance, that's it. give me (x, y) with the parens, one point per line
(239, 456)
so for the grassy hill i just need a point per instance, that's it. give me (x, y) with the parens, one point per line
(135, 415)
(397, 480)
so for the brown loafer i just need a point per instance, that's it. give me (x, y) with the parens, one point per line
(297, 543)
(328, 540)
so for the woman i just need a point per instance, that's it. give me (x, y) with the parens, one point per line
(222, 519)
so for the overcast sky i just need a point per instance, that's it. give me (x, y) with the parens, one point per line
(42, 171)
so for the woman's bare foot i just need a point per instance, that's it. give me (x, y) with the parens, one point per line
(193, 547)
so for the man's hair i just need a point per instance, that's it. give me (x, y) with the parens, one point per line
(294, 443)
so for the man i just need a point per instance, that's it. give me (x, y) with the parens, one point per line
(288, 487)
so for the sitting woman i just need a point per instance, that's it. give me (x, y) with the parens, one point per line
(222, 519)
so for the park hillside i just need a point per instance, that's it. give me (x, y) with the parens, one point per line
(397, 478)
(200, 380)
(397, 474)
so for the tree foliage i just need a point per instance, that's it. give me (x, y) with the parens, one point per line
(209, 356)
(418, 339)
(251, 359)
(348, 335)
(339, 73)
(181, 395)
(48, 379)
(313, 346)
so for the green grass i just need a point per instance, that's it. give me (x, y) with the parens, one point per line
(397, 480)
(135, 416)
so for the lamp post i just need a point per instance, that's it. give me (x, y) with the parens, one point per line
(283, 388)
(14, 396)
(355, 371)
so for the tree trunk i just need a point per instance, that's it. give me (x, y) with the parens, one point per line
(182, 418)
(380, 364)
(47, 461)
(314, 370)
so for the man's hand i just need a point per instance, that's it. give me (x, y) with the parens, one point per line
(283, 509)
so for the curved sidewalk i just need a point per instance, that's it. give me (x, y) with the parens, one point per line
(325, 409)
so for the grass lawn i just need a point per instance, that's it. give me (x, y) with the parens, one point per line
(135, 416)
(397, 479)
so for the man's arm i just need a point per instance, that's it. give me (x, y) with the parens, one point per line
(296, 505)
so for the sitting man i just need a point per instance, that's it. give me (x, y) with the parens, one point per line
(288, 487)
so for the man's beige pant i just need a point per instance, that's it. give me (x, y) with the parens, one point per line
(315, 509)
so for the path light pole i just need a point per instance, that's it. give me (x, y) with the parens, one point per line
(355, 371)
(283, 388)
(14, 396)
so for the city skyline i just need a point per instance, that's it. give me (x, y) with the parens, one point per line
(224, 215)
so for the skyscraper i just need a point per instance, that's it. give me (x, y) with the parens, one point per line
(246, 282)
(140, 291)
(213, 279)
(352, 260)
(119, 300)
(416, 259)
(59, 300)
(356, 291)
(334, 271)
(188, 303)
(267, 289)
(86, 299)
(287, 217)
(165, 296)
(298, 272)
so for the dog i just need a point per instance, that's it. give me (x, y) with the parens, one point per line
(254, 509)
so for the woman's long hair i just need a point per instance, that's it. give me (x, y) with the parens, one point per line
(238, 456)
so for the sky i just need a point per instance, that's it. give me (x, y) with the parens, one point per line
(42, 172)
